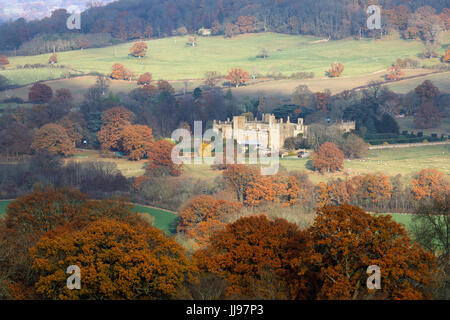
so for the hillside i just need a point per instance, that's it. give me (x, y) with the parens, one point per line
(170, 59)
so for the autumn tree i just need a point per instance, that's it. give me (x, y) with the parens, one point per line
(53, 59)
(137, 141)
(343, 242)
(114, 120)
(251, 255)
(203, 216)
(336, 70)
(395, 73)
(160, 160)
(145, 79)
(212, 78)
(16, 140)
(246, 24)
(139, 49)
(430, 183)
(321, 99)
(53, 138)
(118, 71)
(277, 189)
(193, 41)
(446, 56)
(238, 77)
(40, 93)
(371, 189)
(427, 116)
(3, 61)
(329, 158)
(165, 86)
(238, 178)
(146, 263)
(333, 193)
(75, 126)
(354, 147)
(427, 91)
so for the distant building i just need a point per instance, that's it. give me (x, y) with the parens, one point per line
(268, 133)
(205, 32)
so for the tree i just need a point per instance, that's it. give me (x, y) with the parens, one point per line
(53, 138)
(63, 96)
(16, 140)
(212, 78)
(3, 61)
(430, 184)
(145, 79)
(395, 73)
(427, 91)
(203, 216)
(238, 178)
(333, 193)
(431, 228)
(446, 56)
(75, 126)
(246, 24)
(118, 260)
(427, 116)
(160, 160)
(53, 59)
(329, 158)
(371, 188)
(139, 49)
(193, 41)
(283, 190)
(336, 70)
(118, 71)
(137, 141)
(238, 77)
(247, 251)
(40, 93)
(231, 30)
(321, 100)
(114, 121)
(344, 241)
(165, 86)
(354, 147)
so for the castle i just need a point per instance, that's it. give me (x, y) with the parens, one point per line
(267, 134)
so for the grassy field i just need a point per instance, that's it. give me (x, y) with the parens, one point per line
(170, 59)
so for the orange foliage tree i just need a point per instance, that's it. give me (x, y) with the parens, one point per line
(329, 158)
(3, 60)
(343, 242)
(246, 24)
(118, 71)
(238, 178)
(160, 160)
(53, 138)
(145, 79)
(251, 255)
(139, 49)
(118, 260)
(202, 216)
(114, 120)
(336, 70)
(395, 73)
(53, 59)
(321, 100)
(137, 141)
(446, 56)
(430, 183)
(40, 93)
(75, 126)
(333, 193)
(165, 86)
(372, 188)
(276, 189)
(238, 77)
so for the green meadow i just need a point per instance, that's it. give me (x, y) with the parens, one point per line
(171, 59)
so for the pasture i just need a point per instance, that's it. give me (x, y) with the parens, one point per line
(171, 59)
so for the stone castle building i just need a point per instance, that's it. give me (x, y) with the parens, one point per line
(268, 133)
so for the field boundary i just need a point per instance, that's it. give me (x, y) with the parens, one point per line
(408, 145)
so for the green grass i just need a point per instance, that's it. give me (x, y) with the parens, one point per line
(3, 205)
(170, 59)
(164, 220)
(405, 219)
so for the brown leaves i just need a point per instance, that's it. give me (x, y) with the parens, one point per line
(336, 70)
(139, 49)
(430, 183)
(238, 76)
(328, 158)
(40, 93)
(53, 138)
(160, 160)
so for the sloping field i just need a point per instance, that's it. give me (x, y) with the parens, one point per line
(171, 59)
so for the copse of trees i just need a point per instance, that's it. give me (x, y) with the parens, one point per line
(329, 158)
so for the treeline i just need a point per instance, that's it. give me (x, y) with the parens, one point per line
(243, 256)
(127, 20)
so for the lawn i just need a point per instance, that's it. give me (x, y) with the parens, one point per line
(170, 59)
